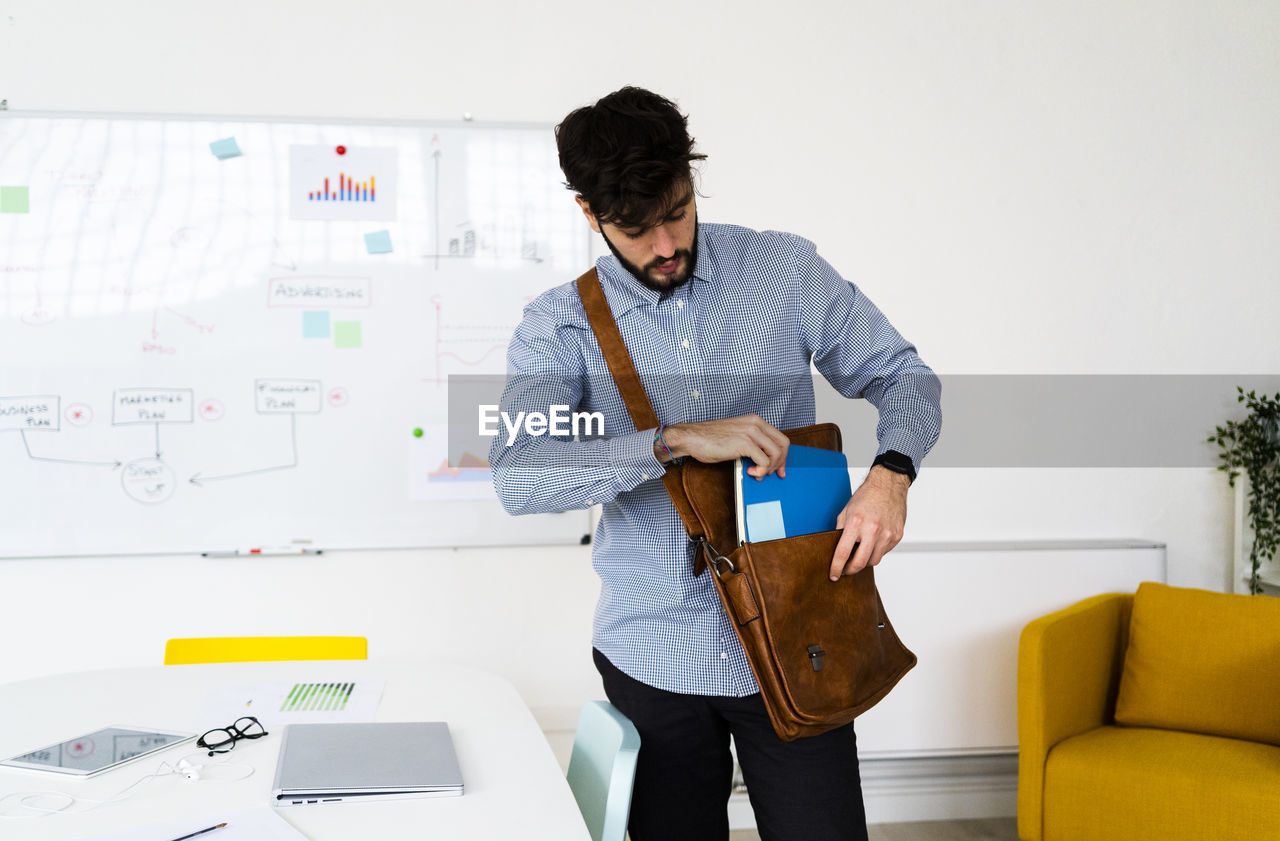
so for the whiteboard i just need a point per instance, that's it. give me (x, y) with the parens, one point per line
(205, 353)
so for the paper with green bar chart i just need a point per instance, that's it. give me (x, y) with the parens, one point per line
(320, 697)
(280, 702)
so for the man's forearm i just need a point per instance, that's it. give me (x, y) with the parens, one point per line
(543, 475)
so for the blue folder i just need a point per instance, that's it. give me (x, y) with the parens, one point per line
(808, 500)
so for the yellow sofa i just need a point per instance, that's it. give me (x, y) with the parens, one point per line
(1153, 715)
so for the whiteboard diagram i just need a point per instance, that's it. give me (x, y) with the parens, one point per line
(200, 353)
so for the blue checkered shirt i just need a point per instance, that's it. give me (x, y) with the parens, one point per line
(736, 339)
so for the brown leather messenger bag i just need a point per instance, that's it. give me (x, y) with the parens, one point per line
(822, 652)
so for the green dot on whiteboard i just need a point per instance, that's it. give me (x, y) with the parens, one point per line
(417, 432)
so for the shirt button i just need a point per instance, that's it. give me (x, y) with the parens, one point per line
(685, 343)
(680, 304)
(724, 656)
(695, 394)
(589, 502)
(644, 476)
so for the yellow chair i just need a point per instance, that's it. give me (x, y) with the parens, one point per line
(1151, 716)
(179, 652)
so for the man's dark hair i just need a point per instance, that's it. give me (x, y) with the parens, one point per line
(629, 156)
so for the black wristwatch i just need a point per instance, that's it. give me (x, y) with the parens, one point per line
(897, 462)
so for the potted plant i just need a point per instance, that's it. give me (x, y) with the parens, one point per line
(1253, 445)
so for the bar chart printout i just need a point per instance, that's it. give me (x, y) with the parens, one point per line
(280, 702)
(305, 697)
(358, 185)
(347, 190)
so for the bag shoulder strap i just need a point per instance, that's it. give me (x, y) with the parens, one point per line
(629, 386)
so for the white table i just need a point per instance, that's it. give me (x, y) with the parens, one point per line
(514, 786)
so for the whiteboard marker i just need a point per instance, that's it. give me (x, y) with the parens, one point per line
(280, 550)
(263, 550)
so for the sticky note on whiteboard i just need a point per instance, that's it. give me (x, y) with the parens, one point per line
(347, 334)
(15, 200)
(225, 148)
(315, 324)
(378, 242)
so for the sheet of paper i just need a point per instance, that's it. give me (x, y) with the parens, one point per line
(433, 475)
(277, 703)
(343, 182)
(256, 823)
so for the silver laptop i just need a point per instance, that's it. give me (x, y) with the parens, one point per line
(334, 763)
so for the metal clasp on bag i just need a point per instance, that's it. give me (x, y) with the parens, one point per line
(712, 554)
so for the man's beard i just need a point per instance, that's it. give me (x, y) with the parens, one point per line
(642, 275)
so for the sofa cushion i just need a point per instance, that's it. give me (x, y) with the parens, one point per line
(1202, 662)
(1136, 783)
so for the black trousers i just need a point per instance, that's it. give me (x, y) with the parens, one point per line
(806, 790)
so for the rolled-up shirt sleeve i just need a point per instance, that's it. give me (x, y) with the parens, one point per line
(535, 474)
(857, 350)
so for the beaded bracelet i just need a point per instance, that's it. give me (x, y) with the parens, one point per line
(658, 439)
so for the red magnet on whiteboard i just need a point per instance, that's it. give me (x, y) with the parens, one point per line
(342, 150)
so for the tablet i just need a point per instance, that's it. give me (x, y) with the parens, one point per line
(99, 751)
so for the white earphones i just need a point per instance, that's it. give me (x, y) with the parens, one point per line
(218, 769)
(188, 770)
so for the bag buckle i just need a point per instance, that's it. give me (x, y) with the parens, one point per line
(815, 657)
(713, 556)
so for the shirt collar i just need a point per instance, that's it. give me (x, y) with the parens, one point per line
(625, 293)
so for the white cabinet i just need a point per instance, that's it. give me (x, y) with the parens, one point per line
(961, 608)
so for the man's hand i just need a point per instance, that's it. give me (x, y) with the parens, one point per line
(725, 440)
(872, 521)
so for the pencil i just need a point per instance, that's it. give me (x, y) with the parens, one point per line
(201, 832)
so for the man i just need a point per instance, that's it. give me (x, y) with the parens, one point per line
(722, 323)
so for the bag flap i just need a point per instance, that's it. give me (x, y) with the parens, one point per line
(807, 616)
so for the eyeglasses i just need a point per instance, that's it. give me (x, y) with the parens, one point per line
(224, 739)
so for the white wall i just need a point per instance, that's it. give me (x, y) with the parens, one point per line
(1022, 187)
